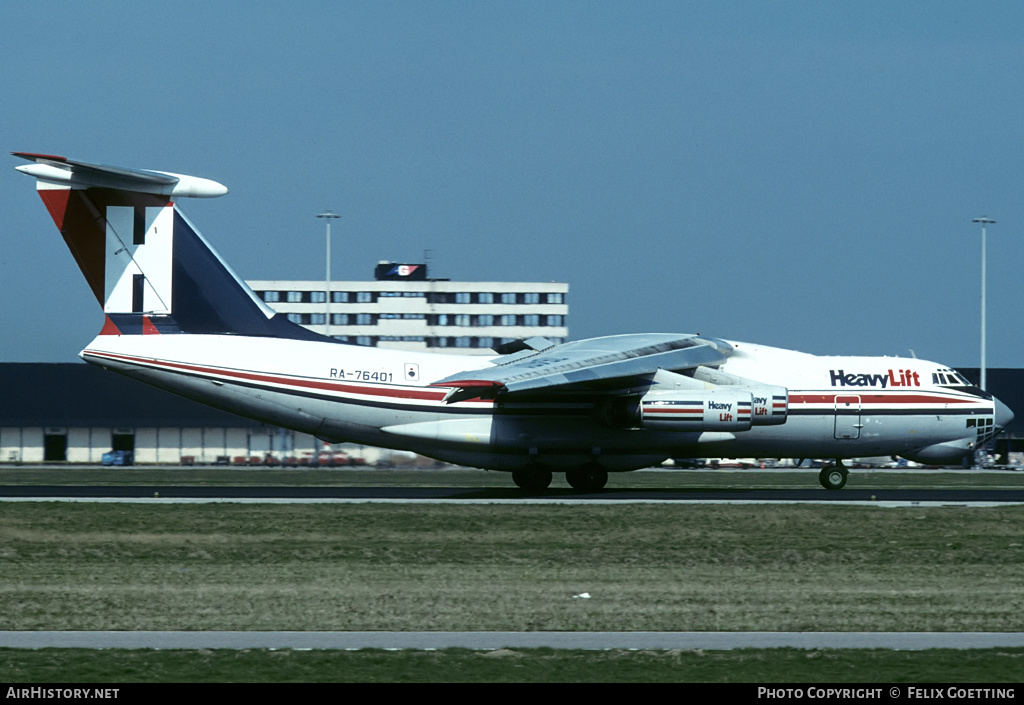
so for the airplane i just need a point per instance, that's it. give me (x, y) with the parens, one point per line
(178, 317)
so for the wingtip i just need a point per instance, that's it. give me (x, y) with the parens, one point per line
(34, 157)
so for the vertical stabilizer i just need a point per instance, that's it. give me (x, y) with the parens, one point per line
(146, 264)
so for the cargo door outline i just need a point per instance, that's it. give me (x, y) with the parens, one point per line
(848, 423)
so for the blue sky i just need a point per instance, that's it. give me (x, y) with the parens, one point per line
(799, 174)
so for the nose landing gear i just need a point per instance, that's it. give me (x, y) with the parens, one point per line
(833, 477)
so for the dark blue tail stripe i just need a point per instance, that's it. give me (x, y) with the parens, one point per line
(207, 298)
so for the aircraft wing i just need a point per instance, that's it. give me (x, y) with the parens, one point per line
(585, 361)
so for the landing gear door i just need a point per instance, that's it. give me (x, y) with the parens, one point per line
(847, 417)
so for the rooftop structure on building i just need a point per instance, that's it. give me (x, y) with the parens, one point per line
(402, 308)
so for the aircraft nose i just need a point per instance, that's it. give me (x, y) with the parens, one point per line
(1003, 414)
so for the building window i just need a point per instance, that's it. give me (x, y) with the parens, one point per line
(317, 319)
(462, 298)
(364, 297)
(485, 319)
(339, 297)
(295, 318)
(318, 297)
(364, 319)
(294, 297)
(364, 340)
(508, 320)
(554, 298)
(271, 297)
(485, 297)
(339, 319)
(531, 319)
(442, 319)
(462, 341)
(485, 342)
(554, 320)
(531, 298)
(509, 298)
(462, 319)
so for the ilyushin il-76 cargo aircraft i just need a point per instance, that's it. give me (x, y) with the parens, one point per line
(178, 318)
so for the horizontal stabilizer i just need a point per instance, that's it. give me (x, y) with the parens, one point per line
(61, 171)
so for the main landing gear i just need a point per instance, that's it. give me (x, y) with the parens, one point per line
(532, 478)
(833, 477)
(588, 478)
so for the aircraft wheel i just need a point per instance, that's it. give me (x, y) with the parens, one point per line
(589, 478)
(833, 477)
(533, 479)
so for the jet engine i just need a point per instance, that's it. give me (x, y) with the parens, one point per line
(726, 410)
(717, 409)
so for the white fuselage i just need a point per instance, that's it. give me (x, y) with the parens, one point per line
(839, 407)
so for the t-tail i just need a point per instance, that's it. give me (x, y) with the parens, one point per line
(147, 265)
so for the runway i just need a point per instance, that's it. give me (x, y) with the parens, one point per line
(489, 641)
(468, 495)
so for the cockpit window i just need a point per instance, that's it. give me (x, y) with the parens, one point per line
(949, 378)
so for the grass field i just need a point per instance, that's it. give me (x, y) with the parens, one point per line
(500, 567)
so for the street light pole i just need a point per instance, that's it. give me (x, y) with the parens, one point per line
(328, 216)
(984, 221)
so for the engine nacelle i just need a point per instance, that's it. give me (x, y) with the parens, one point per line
(770, 405)
(712, 410)
(719, 409)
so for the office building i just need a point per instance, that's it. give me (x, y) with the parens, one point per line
(404, 309)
